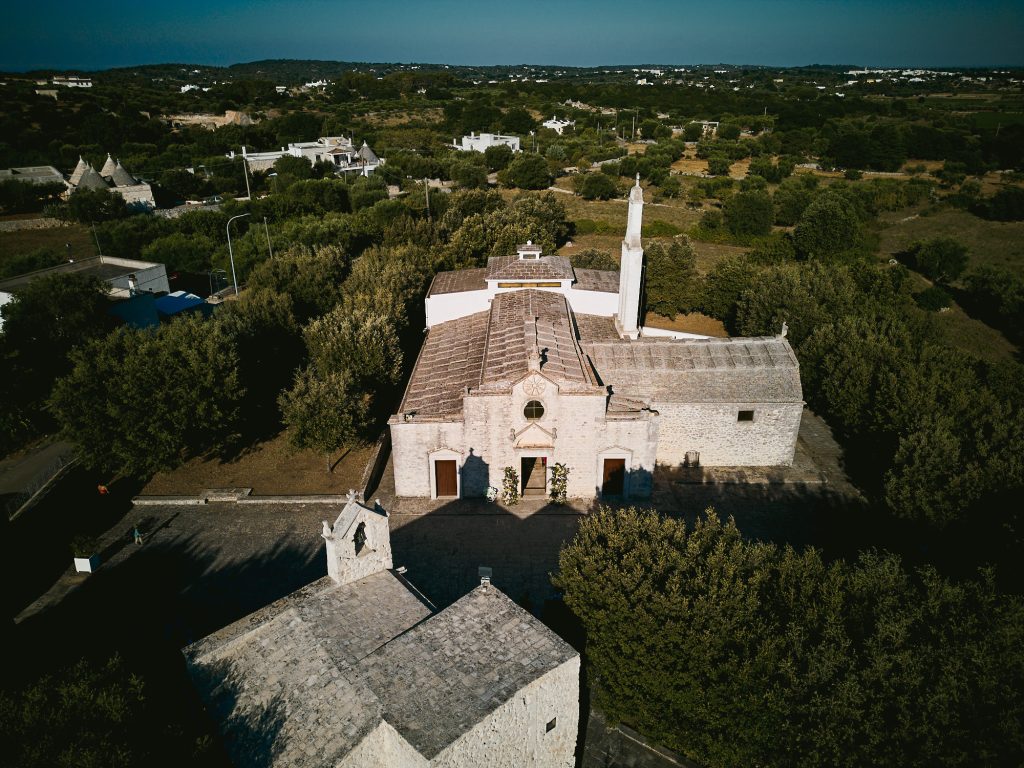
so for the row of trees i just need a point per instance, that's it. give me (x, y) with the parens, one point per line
(742, 653)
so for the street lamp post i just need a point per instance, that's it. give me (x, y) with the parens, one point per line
(231, 253)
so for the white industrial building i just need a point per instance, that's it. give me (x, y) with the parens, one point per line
(481, 142)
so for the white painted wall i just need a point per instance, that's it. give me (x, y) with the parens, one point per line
(663, 333)
(593, 302)
(515, 735)
(451, 306)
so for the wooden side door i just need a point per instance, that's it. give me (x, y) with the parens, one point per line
(445, 479)
(613, 482)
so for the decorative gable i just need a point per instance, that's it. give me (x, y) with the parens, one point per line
(534, 436)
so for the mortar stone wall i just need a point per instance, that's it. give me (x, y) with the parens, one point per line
(515, 734)
(383, 747)
(713, 430)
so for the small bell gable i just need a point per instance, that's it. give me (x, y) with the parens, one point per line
(359, 542)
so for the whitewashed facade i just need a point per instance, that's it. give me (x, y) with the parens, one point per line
(480, 142)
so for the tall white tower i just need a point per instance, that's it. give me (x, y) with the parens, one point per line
(631, 267)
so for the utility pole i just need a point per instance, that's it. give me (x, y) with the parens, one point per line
(426, 192)
(267, 231)
(245, 172)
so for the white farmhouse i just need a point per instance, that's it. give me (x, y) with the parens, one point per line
(358, 670)
(558, 126)
(529, 362)
(337, 150)
(481, 142)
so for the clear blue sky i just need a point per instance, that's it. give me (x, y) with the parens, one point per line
(104, 33)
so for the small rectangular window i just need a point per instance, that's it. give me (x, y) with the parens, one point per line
(745, 416)
(551, 724)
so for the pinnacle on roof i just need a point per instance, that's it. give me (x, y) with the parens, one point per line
(76, 174)
(121, 177)
(636, 194)
(108, 167)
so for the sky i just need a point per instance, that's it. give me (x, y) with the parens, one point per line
(897, 33)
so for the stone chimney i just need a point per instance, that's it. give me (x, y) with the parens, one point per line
(631, 267)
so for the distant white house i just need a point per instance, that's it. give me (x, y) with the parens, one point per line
(557, 125)
(480, 142)
(337, 150)
(72, 81)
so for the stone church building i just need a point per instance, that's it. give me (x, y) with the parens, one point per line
(529, 362)
(358, 670)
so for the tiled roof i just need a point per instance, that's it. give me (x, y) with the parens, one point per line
(450, 361)
(458, 281)
(108, 166)
(121, 177)
(762, 369)
(514, 268)
(595, 328)
(445, 675)
(602, 280)
(303, 681)
(92, 180)
(518, 320)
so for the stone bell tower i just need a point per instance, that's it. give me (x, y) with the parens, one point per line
(631, 267)
(359, 542)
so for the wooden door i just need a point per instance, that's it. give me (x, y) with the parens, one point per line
(614, 480)
(445, 480)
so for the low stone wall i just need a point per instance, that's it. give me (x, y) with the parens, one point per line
(17, 225)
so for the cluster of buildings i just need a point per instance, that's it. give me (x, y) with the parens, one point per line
(112, 176)
(340, 151)
(558, 126)
(530, 362)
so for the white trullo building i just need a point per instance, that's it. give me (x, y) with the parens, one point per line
(529, 362)
(357, 670)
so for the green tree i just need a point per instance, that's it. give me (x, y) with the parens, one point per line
(181, 253)
(749, 213)
(595, 186)
(527, 171)
(326, 410)
(724, 285)
(312, 277)
(591, 258)
(468, 174)
(517, 120)
(93, 205)
(498, 157)
(141, 401)
(942, 259)
(357, 340)
(671, 277)
(828, 229)
(743, 653)
(718, 165)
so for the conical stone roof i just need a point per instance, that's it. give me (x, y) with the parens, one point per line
(108, 166)
(76, 175)
(367, 155)
(92, 180)
(121, 177)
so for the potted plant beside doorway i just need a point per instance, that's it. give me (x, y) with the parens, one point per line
(84, 549)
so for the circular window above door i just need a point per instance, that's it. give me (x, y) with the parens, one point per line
(534, 410)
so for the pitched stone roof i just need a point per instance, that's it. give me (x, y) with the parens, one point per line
(458, 281)
(92, 180)
(592, 328)
(445, 675)
(121, 177)
(450, 361)
(293, 668)
(741, 370)
(602, 280)
(514, 268)
(520, 319)
(303, 681)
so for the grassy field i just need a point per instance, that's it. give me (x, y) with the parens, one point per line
(271, 467)
(695, 322)
(993, 243)
(26, 240)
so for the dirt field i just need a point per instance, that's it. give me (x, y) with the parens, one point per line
(695, 322)
(25, 240)
(270, 468)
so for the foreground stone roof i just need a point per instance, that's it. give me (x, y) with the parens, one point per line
(304, 680)
(447, 674)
